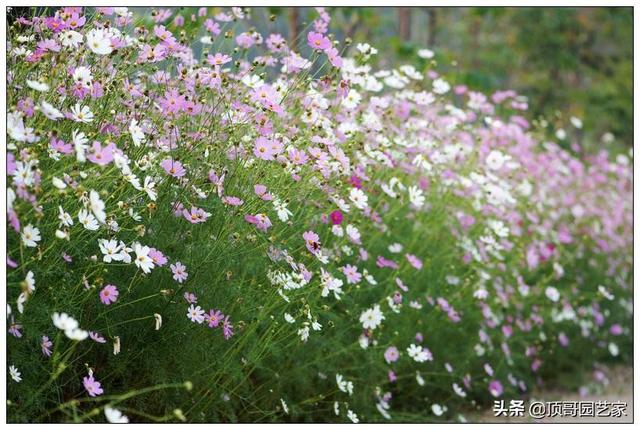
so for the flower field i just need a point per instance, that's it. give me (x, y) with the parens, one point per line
(205, 224)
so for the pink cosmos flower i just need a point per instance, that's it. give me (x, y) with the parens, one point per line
(92, 386)
(218, 59)
(261, 191)
(414, 261)
(179, 272)
(232, 201)
(196, 215)
(99, 155)
(45, 345)
(14, 329)
(298, 156)
(318, 41)
(312, 241)
(495, 388)
(172, 101)
(109, 294)
(266, 149)
(97, 337)
(60, 146)
(343, 89)
(158, 257)
(383, 262)
(391, 355)
(615, 330)
(276, 43)
(351, 273)
(227, 328)
(190, 298)
(173, 167)
(334, 57)
(261, 221)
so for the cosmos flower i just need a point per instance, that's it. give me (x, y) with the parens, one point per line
(109, 294)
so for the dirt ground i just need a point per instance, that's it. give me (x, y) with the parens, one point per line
(619, 389)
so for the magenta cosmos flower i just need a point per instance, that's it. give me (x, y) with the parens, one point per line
(336, 217)
(173, 167)
(109, 294)
(92, 386)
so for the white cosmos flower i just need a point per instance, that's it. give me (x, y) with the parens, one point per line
(37, 85)
(288, 318)
(395, 248)
(440, 86)
(30, 281)
(359, 198)
(64, 217)
(70, 39)
(419, 354)
(352, 416)
(372, 318)
(416, 196)
(81, 113)
(195, 314)
(552, 294)
(14, 373)
(80, 143)
(496, 159)
(458, 390)
(111, 250)
(99, 42)
(114, 416)
(31, 236)
(87, 219)
(22, 298)
(23, 173)
(82, 75)
(62, 234)
(76, 334)
(49, 111)
(64, 322)
(58, 183)
(137, 135)
(438, 410)
(97, 206)
(425, 53)
(143, 261)
(149, 188)
(344, 385)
